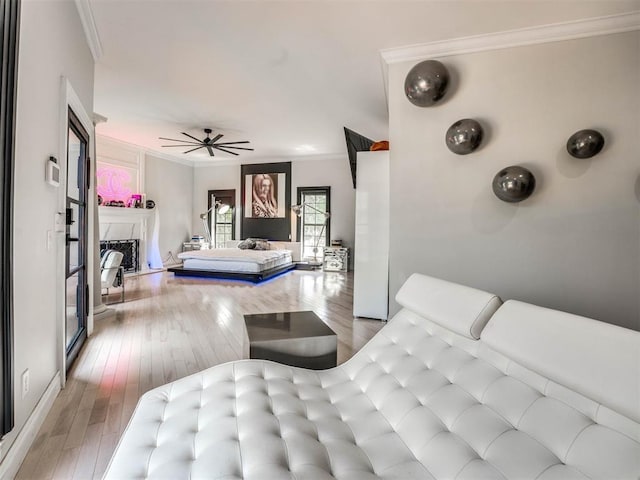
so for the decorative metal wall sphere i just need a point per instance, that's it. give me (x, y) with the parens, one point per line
(513, 184)
(585, 143)
(426, 83)
(464, 136)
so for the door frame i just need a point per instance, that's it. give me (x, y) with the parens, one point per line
(82, 289)
(10, 18)
(327, 229)
(71, 100)
(230, 193)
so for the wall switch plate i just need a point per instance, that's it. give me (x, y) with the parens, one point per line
(59, 222)
(25, 383)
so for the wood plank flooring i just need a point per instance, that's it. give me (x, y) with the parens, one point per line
(169, 328)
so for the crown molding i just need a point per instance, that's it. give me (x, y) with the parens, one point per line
(283, 158)
(167, 157)
(89, 27)
(145, 152)
(556, 32)
(97, 118)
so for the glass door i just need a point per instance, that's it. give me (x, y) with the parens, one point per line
(77, 291)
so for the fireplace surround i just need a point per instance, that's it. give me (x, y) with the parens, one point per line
(134, 232)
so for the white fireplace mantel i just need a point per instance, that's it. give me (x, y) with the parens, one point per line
(117, 223)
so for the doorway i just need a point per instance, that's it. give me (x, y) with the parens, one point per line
(76, 288)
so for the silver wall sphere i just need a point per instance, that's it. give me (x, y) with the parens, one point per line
(585, 143)
(464, 136)
(513, 184)
(426, 83)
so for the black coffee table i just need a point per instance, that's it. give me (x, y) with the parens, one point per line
(299, 339)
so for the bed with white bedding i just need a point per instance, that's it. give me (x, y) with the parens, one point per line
(236, 263)
(235, 260)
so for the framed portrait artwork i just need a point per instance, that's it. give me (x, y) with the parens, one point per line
(264, 195)
(266, 201)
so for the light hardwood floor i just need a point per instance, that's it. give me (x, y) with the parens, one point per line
(169, 328)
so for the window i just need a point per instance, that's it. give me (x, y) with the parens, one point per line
(222, 224)
(313, 226)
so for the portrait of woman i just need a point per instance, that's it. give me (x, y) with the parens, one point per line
(263, 200)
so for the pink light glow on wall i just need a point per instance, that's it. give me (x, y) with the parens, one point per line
(114, 183)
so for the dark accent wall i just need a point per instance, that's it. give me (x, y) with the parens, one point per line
(9, 25)
(269, 228)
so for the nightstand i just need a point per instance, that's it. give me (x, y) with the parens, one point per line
(336, 259)
(187, 246)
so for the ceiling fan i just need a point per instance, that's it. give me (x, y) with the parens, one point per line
(208, 143)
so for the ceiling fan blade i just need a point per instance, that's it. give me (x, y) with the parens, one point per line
(210, 150)
(184, 142)
(216, 138)
(174, 139)
(230, 146)
(232, 143)
(182, 145)
(191, 136)
(226, 151)
(194, 149)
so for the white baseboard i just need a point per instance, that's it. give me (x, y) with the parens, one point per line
(18, 451)
(104, 314)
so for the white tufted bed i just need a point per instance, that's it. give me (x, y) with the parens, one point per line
(456, 386)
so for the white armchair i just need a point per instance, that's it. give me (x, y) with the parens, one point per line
(112, 272)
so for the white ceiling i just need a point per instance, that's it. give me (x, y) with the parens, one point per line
(286, 75)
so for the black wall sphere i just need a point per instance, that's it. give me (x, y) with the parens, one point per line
(513, 184)
(426, 83)
(464, 136)
(585, 143)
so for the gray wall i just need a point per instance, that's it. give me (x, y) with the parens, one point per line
(575, 244)
(52, 44)
(170, 184)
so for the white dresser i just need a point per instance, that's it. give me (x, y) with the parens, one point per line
(371, 252)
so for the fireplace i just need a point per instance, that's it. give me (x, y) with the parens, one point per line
(134, 232)
(129, 248)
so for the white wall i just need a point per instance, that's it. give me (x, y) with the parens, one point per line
(575, 244)
(170, 184)
(52, 44)
(333, 172)
(223, 177)
(336, 174)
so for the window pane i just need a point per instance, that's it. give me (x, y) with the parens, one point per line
(312, 223)
(72, 320)
(74, 151)
(223, 223)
